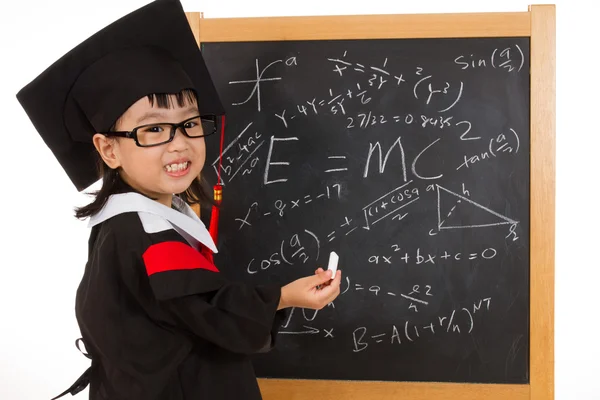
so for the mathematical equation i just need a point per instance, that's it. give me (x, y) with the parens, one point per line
(427, 258)
(245, 160)
(333, 103)
(391, 160)
(280, 207)
(391, 205)
(500, 143)
(232, 162)
(394, 200)
(459, 321)
(294, 245)
(241, 157)
(417, 297)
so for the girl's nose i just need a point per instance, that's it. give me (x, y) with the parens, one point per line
(179, 141)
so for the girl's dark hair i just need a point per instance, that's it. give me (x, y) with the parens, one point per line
(112, 183)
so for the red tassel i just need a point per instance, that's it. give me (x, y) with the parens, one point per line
(214, 216)
(213, 228)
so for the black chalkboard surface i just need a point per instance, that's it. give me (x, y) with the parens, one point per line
(410, 159)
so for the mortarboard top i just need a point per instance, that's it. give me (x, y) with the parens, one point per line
(150, 50)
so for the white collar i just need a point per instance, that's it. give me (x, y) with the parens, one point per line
(187, 220)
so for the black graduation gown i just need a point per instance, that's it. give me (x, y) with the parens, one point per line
(160, 322)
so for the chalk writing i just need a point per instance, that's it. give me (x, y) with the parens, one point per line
(389, 203)
(460, 321)
(501, 144)
(259, 79)
(280, 207)
(505, 58)
(410, 159)
(237, 154)
(296, 252)
(418, 257)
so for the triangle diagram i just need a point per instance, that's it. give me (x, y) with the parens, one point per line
(456, 212)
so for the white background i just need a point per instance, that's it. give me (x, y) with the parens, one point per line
(44, 248)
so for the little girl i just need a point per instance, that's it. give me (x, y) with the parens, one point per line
(157, 318)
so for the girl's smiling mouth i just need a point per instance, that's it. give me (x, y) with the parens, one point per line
(178, 169)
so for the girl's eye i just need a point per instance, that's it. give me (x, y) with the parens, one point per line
(154, 129)
(190, 125)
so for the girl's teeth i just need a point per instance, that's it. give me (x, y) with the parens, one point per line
(176, 167)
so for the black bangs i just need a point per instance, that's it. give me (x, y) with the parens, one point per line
(164, 100)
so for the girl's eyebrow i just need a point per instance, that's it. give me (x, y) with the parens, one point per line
(159, 114)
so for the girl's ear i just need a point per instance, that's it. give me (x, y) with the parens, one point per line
(106, 148)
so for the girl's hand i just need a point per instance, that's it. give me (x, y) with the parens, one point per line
(317, 272)
(313, 292)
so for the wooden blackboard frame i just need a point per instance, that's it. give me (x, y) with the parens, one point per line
(538, 23)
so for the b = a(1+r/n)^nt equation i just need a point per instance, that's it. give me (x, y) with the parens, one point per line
(459, 321)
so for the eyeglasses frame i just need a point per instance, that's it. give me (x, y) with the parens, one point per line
(174, 126)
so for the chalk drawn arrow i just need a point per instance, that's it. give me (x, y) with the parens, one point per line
(310, 331)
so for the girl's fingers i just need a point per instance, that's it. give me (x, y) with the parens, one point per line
(318, 279)
(331, 290)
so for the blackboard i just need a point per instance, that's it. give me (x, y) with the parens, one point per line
(410, 159)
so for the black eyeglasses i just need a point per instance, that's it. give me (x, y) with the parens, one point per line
(150, 135)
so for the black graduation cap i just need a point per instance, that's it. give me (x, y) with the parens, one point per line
(150, 50)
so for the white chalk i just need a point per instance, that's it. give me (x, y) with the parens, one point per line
(333, 263)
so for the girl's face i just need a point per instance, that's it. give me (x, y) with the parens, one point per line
(158, 171)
